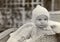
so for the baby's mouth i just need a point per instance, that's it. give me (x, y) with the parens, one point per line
(43, 26)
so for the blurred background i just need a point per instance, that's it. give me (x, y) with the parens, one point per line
(14, 13)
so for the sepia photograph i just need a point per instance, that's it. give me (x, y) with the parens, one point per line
(29, 20)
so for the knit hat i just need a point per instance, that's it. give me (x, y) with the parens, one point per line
(39, 10)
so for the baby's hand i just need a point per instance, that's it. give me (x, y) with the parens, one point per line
(22, 39)
(56, 28)
(53, 26)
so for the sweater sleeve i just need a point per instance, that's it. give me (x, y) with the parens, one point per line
(22, 35)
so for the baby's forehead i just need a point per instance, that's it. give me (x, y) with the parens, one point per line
(42, 16)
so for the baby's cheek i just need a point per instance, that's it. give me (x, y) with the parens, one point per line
(36, 22)
(45, 24)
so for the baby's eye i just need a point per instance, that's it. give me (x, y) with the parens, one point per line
(45, 19)
(39, 19)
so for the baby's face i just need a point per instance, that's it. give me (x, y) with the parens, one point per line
(41, 21)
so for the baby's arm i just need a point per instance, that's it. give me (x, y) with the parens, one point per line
(22, 33)
(55, 26)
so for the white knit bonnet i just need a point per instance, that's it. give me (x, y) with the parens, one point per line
(39, 10)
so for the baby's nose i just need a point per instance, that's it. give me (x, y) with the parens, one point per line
(42, 22)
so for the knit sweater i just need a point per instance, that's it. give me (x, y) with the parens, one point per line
(29, 33)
